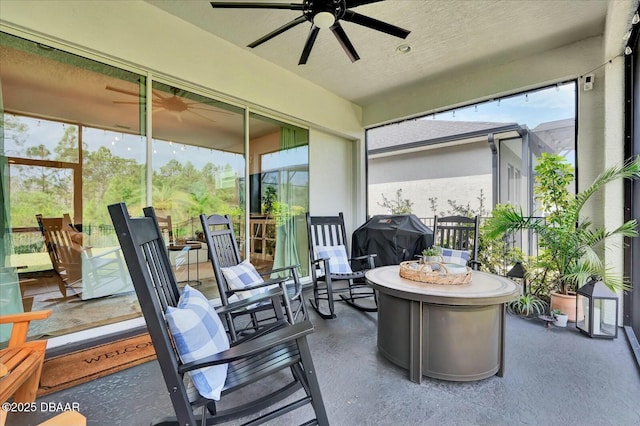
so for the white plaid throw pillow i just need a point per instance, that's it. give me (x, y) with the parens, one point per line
(459, 257)
(338, 259)
(242, 275)
(198, 333)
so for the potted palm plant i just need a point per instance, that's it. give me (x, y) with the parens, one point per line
(572, 246)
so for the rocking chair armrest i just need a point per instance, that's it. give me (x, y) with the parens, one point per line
(284, 268)
(252, 347)
(366, 256)
(243, 303)
(91, 255)
(262, 284)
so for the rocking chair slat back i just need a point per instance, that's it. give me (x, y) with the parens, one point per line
(458, 233)
(326, 231)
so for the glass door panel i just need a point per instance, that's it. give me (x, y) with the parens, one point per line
(198, 168)
(279, 193)
(60, 115)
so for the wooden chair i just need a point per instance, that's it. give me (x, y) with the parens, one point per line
(325, 231)
(223, 252)
(69, 256)
(166, 226)
(21, 362)
(248, 360)
(458, 233)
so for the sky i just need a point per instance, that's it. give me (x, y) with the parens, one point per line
(550, 104)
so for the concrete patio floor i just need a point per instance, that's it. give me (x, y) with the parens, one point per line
(552, 376)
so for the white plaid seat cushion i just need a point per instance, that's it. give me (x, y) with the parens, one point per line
(241, 276)
(459, 257)
(338, 259)
(199, 333)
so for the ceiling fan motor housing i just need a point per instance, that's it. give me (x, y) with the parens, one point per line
(310, 8)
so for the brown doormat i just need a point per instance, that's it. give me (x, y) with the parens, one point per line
(82, 366)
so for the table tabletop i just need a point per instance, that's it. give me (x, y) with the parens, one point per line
(484, 288)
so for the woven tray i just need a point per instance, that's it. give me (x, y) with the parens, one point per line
(423, 272)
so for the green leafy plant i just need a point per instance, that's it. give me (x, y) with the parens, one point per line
(269, 198)
(572, 246)
(557, 312)
(398, 205)
(432, 251)
(527, 305)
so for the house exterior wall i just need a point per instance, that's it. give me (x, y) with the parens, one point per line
(455, 173)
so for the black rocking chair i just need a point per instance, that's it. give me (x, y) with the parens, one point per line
(458, 233)
(224, 252)
(329, 231)
(248, 360)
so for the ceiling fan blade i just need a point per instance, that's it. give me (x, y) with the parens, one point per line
(202, 116)
(375, 24)
(311, 39)
(255, 5)
(278, 31)
(126, 92)
(356, 3)
(344, 41)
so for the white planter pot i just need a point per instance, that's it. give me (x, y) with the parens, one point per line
(561, 320)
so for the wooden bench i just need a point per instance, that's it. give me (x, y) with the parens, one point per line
(21, 362)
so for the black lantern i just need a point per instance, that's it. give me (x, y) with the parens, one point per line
(518, 272)
(597, 310)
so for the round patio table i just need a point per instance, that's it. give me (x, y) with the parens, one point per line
(448, 332)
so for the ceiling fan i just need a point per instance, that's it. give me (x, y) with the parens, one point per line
(321, 14)
(174, 104)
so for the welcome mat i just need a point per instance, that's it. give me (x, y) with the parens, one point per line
(88, 364)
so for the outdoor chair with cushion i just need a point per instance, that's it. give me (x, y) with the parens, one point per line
(104, 273)
(194, 351)
(330, 264)
(238, 279)
(457, 236)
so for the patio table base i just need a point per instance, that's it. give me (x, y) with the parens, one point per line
(451, 333)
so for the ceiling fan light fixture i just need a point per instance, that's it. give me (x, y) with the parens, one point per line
(324, 20)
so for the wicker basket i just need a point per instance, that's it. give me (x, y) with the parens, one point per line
(423, 272)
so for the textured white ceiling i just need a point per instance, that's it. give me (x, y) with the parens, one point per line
(445, 35)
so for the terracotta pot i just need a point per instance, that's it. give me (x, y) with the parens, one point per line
(565, 303)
